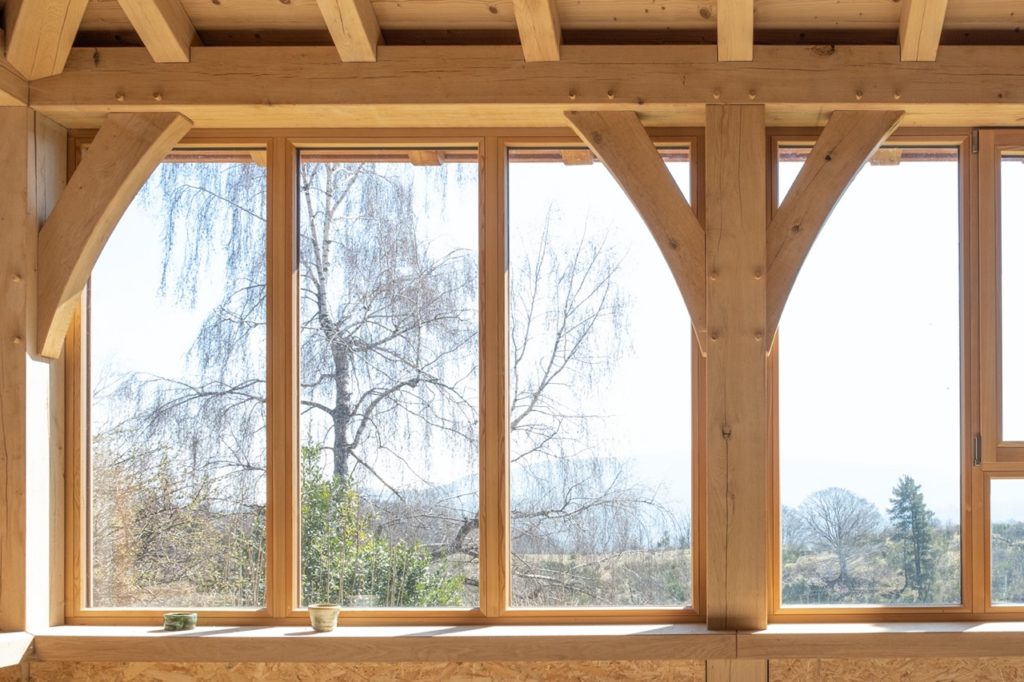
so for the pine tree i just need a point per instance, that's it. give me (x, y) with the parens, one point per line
(914, 536)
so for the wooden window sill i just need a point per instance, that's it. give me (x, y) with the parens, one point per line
(526, 643)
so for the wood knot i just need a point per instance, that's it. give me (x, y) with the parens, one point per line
(824, 50)
(673, 244)
(726, 431)
(705, 12)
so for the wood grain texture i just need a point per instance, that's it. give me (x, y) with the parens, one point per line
(125, 152)
(620, 141)
(897, 670)
(737, 413)
(354, 28)
(848, 141)
(13, 88)
(164, 28)
(921, 24)
(17, 243)
(736, 670)
(481, 86)
(540, 32)
(735, 30)
(40, 34)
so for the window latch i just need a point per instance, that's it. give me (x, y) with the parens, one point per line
(977, 449)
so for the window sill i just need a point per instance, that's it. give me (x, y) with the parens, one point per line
(13, 647)
(527, 643)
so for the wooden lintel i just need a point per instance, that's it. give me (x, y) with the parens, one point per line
(40, 34)
(539, 30)
(624, 147)
(489, 86)
(354, 28)
(425, 157)
(921, 29)
(164, 27)
(126, 150)
(737, 385)
(845, 145)
(735, 30)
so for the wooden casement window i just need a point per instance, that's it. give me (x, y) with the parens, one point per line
(872, 396)
(403, 374)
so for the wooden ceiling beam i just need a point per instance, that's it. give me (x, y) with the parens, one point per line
(921, 24)
(40, 34)
(13, 88)
(164, 27)
(735, 30)
(126, 150)
(540, 31)
(848, 141)
(490, 86)
(354, 28)
(620, 141)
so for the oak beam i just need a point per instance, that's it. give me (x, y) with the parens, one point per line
(735, 30)
(164, 27)
(849, 140)
(490, 86)
(540, 32)
(921, 29)
(126, 150)
(354, 28)
(737, 389)
(40, 34)
(620, 141)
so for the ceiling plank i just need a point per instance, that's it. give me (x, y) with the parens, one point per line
(354, 28)
(40, 34)
(735, 30)
(126, 150)
(921, 29)
(164, 27)
(622, 144)
(848, 141)
(539, 30)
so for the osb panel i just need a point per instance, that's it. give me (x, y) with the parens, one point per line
(649, 671)
(897, 670)
(12, 674)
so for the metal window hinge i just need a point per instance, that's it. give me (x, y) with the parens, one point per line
(974, 140)
(977, 449)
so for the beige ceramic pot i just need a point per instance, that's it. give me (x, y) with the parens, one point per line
(323, 617)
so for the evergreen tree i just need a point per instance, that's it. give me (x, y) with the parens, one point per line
(914, 536)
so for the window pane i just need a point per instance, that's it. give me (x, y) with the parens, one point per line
(389, 378)
(1012, 292)
(600, 390)
(177, 371)
(1007, 541)
(869, 382)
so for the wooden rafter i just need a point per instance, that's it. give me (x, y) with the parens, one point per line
(921, 29)
(164, 27)
(735, 30)
(127, 148)
(619, 140)
(40, 34)
(737, 414)
(845, 145)
(354, 28)
(13, 88)
(539, 30)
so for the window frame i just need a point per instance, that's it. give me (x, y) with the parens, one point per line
(973, 527)
(282, 607)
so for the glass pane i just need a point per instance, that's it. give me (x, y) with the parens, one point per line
(1012, 292)
(177, 368)
(1007, 541)
(600, 391)
(869, 392)
(388, 337)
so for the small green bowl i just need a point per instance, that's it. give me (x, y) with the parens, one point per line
(180, 621)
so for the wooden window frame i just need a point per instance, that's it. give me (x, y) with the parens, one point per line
(973, 487)
(282, 148)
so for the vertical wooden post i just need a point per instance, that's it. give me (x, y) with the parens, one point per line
(737, 418)
(17, 243)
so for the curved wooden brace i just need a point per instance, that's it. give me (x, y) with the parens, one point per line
(620, 141)
(845, 145)
(127, 148)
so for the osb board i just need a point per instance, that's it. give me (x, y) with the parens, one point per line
(897, 670)
(12, 674)
(649, 671)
